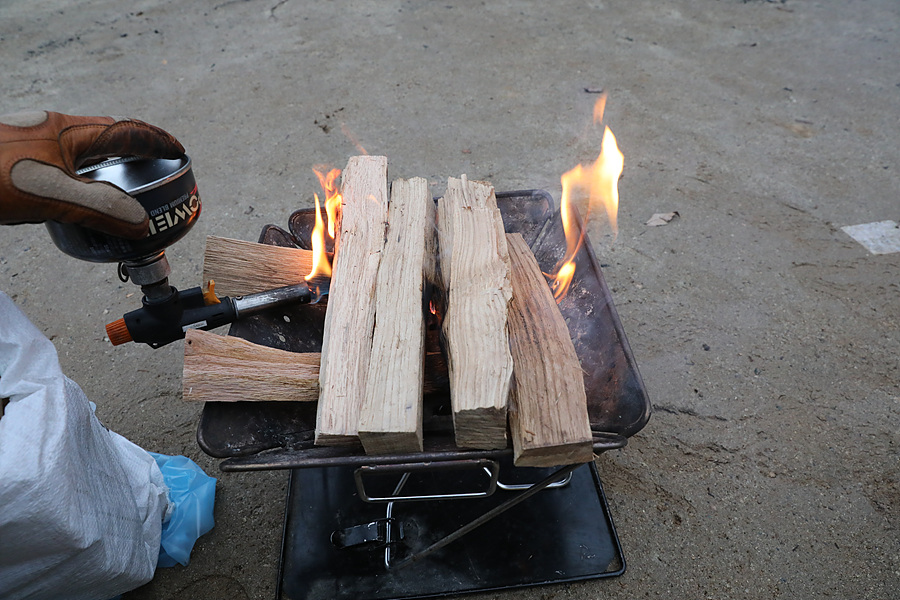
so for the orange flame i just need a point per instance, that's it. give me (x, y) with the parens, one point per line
(599, 108)
(332, 195)
(600, 181)
(349, 135)
(320, 266)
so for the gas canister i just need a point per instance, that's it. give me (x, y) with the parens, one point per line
(165, 188)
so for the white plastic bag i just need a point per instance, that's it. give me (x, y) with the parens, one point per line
(81, 508)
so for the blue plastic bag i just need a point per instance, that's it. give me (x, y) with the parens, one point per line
(193, 493)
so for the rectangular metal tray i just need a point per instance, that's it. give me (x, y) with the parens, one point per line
(556, 536)
(279, 435)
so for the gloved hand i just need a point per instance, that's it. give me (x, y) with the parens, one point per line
(40, 152)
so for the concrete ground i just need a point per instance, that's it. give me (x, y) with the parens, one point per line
(767, 338)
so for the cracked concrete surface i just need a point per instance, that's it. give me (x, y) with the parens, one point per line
(767, 338)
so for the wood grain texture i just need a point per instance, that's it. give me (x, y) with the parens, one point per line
(475, 276)
(390, 419)
(228, 369)
(350, 317)
(240, 268)
(548, 417)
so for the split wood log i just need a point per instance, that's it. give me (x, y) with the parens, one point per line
(240, 268)
(475, 275)
(228, 369)
(548, 417)
(350, 317)
(390, 418)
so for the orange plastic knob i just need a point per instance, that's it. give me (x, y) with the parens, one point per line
(117, 332)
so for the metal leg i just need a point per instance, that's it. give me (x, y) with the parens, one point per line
(390, 513)
(490, 467)
(508, 487)
(499, 509)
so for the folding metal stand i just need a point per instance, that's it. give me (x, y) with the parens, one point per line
(444, 521)
(338, 547)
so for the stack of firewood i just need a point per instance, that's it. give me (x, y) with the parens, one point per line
(510, 358)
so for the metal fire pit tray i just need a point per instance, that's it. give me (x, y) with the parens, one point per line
(444, 521)
(279, 435)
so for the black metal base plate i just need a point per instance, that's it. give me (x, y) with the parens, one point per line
(558, 535)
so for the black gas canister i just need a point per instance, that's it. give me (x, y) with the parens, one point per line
(165, 188)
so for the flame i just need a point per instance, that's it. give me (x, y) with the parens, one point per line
(610, 164)
(321, 266)
(600, 182)
(332, 195)
(349, 135)
(599, 108)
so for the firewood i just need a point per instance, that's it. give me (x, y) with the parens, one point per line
(390, 419)
(548, 418)
(475, 276)
(228, 369)
(350, 317)
(240, 268)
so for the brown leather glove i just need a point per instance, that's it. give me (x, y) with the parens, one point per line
(40, 152)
